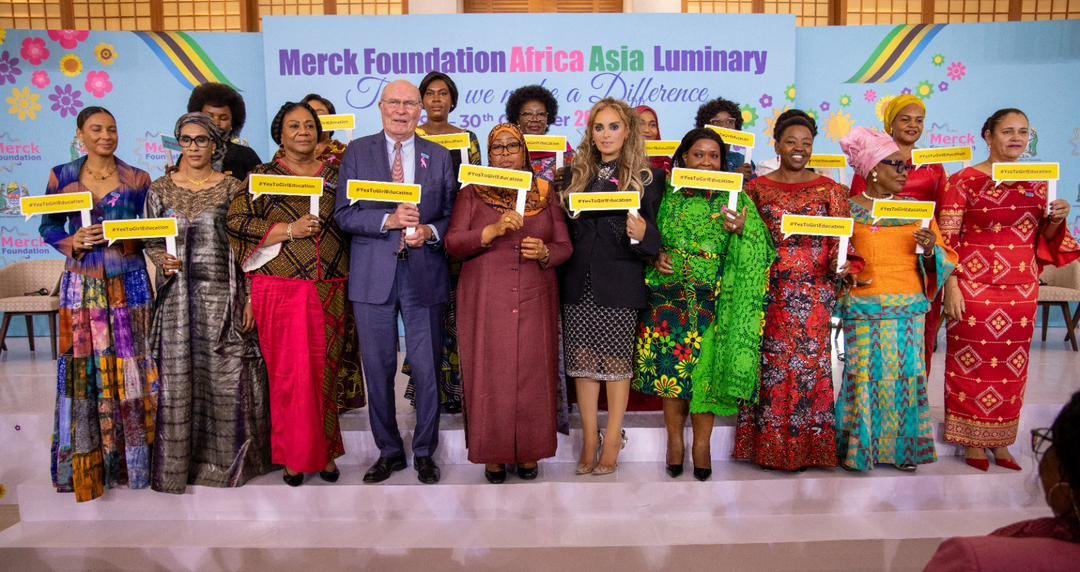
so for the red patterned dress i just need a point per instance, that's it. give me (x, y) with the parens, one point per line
(997, 230)
(793, 424)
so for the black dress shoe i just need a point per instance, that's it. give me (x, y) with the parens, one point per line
(528, 474)
(383, 468)
(291, 479)
(674, 471)
(702, 474)
(330, 476)
(495, 477)
(427, 471)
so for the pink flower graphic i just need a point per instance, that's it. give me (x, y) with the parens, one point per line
(34, 51)
(870, 96)
(98, 83)
(40, 79)
(68, 39)
(765, 101)
(957, 71)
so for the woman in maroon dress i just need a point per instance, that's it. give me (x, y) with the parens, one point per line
(508, 309)
(793, 425)
(903, 118)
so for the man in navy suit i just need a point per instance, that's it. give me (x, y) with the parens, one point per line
(395, 270)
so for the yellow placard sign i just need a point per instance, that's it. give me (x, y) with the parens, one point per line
(548, 143)
(827, 162)
(139, 228)
(51, 204)
(661, 148)
(920, 157)
(494, 177)
(816, 225)
(734, 136)
(382, 191)
(259, 185)
(338, 121)
(616, 201)
(452, 141)
(1026, 172)
(706, 180)
(912, 210)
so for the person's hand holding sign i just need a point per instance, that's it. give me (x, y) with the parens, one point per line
(926, 239)
(304, 227)
(87, 237)
(406, 215)
(170, 264)
(509, 221)
(734, 222)
(635, 226)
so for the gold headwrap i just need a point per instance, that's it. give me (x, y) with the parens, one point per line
(897, 105)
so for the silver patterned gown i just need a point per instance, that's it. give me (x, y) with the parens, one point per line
(213, 424)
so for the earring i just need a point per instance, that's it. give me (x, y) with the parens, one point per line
(873, 176)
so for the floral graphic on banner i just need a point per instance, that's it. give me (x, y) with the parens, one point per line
(40, 79)
(71, 65)
(34, 51)
(838, 125)
(98, 83)
(69, 39)
(66, 101)
(24, 103)
(106, 54)
(9, 68)
(749, 116)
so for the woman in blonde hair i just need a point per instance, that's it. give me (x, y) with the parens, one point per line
(603, 284)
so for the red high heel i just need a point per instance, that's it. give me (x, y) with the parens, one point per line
(1008, 464)
(981, 464)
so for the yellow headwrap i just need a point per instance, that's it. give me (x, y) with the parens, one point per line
(897, 105)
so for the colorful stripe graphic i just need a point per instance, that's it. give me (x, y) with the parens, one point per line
(184, 58)
(896, 52)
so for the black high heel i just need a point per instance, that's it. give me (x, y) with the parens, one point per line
(674, 471)
(330, 476)
(291, 479)
(702, 474)
(495, 477)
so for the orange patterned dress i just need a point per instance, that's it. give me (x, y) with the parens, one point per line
(998, 232)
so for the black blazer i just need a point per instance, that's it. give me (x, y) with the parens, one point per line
(602, 250)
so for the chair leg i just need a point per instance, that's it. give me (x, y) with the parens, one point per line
(3, 331)
(1046, 318)
(1069, 326)
(52, 317)
(30, 329)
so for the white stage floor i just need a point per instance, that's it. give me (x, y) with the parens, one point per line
(637, 519)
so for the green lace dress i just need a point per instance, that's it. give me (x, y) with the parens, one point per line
(700, 338)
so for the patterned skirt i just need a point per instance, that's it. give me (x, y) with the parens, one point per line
(883, 412)
(669, 341)
(598, 342)
(106, 385)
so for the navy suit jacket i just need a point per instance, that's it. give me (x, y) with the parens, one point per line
(374, 252)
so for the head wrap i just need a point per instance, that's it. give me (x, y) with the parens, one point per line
(655, 162)
(866, 148)
(896, 105)
(203, 120)
(506, 199)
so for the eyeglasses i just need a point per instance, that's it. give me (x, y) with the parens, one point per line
(508, 149)
(728, 122)
(200, 141)
(900, 165)
(410, 105)
(1041, 441)
(530, 115)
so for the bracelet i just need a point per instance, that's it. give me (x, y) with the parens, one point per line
(288, 229)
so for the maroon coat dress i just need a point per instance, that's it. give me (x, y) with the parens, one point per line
(507, 312)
